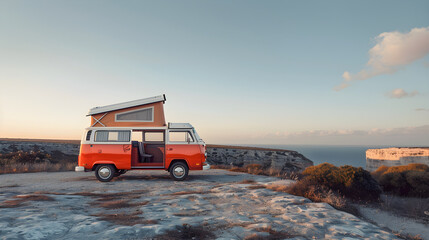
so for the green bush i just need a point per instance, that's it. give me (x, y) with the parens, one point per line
(410, 180)
(351, 182)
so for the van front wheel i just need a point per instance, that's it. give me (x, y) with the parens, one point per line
(179, 171)
(105, 173)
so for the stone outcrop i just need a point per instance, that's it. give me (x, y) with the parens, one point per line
(284, 160)
(65, 147)
(395, 157)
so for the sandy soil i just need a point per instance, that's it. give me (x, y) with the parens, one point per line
(214, 204)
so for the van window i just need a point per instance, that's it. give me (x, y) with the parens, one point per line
(88, 135)
(112, 136)
(154, 136)
(137, 136)
(140, 115)
(180, 137)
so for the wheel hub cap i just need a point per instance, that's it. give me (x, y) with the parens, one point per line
(179, 171)
(104, 172)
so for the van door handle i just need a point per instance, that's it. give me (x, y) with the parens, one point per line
(170, 149)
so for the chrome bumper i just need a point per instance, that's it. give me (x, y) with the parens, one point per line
(206, 166)
(79, 169)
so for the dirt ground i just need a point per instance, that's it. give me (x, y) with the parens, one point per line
(214, 204)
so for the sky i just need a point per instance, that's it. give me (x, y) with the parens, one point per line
(242, 72)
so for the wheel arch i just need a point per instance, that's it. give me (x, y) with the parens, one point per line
(177, 160)
(94, 166)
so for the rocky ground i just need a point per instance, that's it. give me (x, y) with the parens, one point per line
(214, 204)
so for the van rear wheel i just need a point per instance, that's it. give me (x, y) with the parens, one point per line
(179, 171)
(105, 173)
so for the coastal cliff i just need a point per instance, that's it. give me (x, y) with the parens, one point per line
(395, 157)
(283, 160)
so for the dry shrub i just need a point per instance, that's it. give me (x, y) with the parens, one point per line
(278, 187)
(351, 182)
(247, 181)
(238, 169)
(316, 193)
(186, 231)
(254, 169)
(35, 160)
(410, 180)
(408, 236)
(220, 167)
(20, 157)
(380, 171)
(333, 185)
(403, 168)
(258, 169)
(36, 167)
(257, 186)
(21, 199)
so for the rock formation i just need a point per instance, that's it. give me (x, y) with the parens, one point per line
(283, 160)
(395, 157)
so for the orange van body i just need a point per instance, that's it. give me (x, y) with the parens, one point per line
(121, 156)
(125, 155)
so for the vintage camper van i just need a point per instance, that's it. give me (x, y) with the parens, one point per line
(134, 136)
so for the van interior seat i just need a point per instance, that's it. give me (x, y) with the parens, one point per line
(141, 151)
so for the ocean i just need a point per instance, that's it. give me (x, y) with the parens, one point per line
(336, 155)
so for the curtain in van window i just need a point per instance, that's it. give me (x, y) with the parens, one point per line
(101, 136)
(124, 136)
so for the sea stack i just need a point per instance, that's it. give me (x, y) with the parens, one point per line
(396, 156)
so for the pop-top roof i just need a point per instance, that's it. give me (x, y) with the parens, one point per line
(179, 125)
(113, 107)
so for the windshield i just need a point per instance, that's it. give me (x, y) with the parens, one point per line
(196, 135)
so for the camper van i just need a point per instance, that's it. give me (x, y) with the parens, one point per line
(134, 136)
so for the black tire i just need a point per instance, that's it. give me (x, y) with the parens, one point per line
(105, 173)
(179, 171)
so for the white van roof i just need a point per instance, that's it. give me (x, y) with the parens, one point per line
(179, 125)
(113, 107)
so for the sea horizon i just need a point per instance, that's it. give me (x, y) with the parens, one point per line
(338, 155)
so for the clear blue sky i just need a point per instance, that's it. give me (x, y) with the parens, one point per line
(244, 72)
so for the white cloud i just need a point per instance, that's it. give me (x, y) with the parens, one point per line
(392, 51)
(401, 93)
